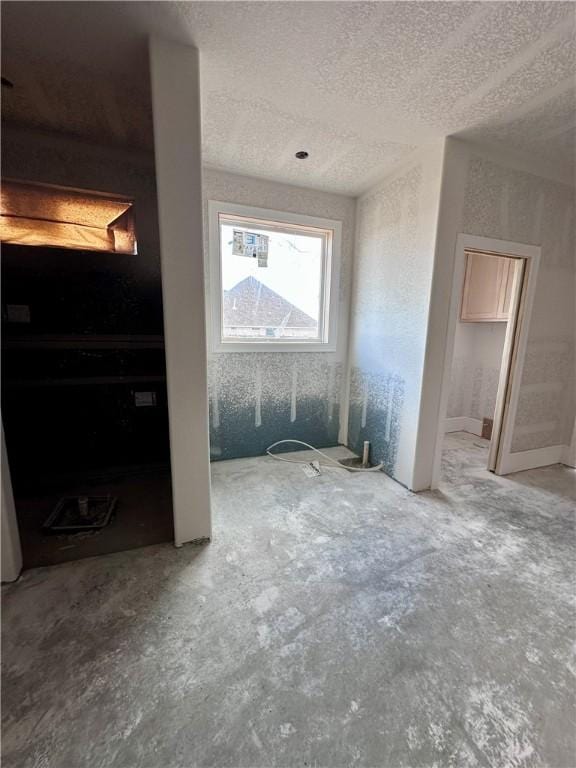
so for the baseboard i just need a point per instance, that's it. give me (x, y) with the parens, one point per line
(569, 455)
(463, 424)
(540, 457)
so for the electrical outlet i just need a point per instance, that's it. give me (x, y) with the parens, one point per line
(487, 425)
(17, 313)
(144, 399)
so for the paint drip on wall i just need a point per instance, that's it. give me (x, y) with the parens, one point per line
(376, 402)
(259, 398)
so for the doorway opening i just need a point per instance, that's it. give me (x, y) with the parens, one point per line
(84, 402)
(491, 302)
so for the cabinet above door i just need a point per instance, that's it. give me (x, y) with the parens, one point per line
(487, 288)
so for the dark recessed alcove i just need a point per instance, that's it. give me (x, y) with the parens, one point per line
(84, 389)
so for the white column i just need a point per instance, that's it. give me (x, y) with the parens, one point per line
(11, 550)
(174, 71)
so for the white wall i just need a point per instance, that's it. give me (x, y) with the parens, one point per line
(393, 268)
(476, 368)
(175, 82)
(486, 194)
(515, 205)
(315, 379)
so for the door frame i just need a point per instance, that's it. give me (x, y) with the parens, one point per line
(514, 345)
(11, 546)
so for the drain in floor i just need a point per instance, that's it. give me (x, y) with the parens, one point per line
(80, 513)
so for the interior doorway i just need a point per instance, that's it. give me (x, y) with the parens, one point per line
(491, 302)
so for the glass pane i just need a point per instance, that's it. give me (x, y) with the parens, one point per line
(271, 284)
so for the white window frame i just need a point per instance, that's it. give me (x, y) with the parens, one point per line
(330, 286)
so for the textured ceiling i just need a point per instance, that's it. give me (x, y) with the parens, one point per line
(358, 85)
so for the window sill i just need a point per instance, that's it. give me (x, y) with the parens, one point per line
(270, 346)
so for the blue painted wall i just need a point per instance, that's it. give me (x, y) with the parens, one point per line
(259, 398)
(376, 402)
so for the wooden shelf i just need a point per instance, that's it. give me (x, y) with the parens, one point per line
(79, 381)
(68, 341)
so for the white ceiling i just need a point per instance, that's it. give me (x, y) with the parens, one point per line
(357, 85)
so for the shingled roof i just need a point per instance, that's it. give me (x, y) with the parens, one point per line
(250, 303)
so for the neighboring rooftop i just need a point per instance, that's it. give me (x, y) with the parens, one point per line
(251, 303)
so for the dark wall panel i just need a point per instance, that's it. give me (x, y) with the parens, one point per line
(72, 373)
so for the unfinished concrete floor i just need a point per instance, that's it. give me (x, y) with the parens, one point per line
(337, 621)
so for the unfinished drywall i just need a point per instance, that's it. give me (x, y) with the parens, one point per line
(476, 367)
(510, 204)
(257, 398)
(393, 265)
(493, 195)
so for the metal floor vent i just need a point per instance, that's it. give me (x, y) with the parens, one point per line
(80, 513)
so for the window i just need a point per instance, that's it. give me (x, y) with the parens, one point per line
(273, 280)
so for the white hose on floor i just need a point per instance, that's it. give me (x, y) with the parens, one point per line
(332, 461)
